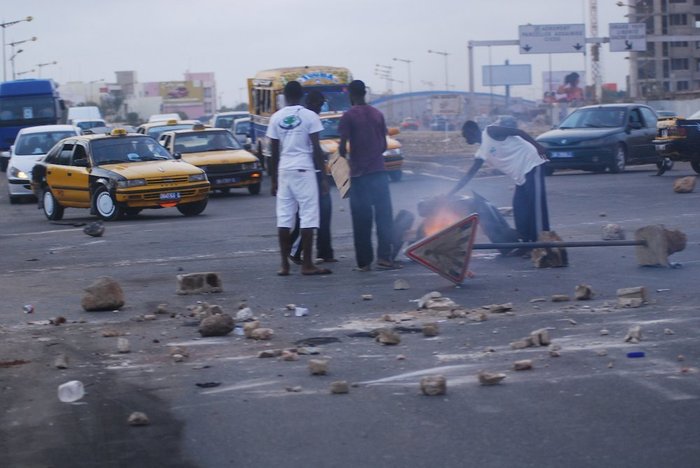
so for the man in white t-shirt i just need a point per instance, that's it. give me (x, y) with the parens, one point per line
(296, 157)
(519, 156)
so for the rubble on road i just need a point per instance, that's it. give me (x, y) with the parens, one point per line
(202, 310)
(367, 297)
(162, 309)
(138, 418)
(540, 337)
(261, 334)
(388, 337)
(248, 328)
(433, 385)
(401, 284)
(659, 244)
(560, 298)
(61, 362)
(583, 292)
(613, 232)
(489, 378)
(318, 366)
(634, 335)
(287, 355)
(103, 294)
(632, 297)
(339, 387)
(498, 308)
(525, 364)
(111, 333)
(244, 314)
(179, 353)
(554, 257)
(94, 229)
(554, 350)
(431, 329)
(198, 283)
(684, 184)
(216, 325)
(123, 345)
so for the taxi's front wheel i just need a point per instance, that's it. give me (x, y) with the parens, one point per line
(52, 209)
(105, 206)
(192, 209)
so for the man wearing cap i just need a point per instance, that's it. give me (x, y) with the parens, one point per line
(363, 127)
(296, 158)
(519, 156)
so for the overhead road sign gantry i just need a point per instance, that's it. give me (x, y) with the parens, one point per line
(552, 38)
(628, 37)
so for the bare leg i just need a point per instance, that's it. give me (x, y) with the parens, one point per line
(285, 241)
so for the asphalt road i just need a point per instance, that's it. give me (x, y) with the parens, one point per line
(592, 406)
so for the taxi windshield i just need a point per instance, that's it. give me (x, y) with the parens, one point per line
(199, 142)
(156, 132)
(120, 150)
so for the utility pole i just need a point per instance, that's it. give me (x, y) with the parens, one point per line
(5, 26)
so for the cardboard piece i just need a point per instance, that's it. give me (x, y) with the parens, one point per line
(340, 170)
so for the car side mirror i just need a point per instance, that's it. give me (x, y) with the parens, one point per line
(81, 162)
(177, 156)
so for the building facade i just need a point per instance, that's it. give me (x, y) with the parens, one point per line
(670, 67)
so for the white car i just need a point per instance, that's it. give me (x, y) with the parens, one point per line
(31, 145)
(225, 119)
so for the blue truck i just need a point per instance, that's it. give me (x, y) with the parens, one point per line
(26, 103)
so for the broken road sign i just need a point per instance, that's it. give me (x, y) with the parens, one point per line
(447, 252)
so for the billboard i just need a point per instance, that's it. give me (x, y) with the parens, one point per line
(506, 75)
(181, 91)
(446, 104)
(563, 86)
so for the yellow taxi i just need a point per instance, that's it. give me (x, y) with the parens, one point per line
(217, 152)
(157, 128)
(116, 174)
(393, 158)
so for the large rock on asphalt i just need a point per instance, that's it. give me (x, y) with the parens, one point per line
(684, 184)
(216, 325)
(104, 293)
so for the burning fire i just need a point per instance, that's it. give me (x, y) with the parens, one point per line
(442, 218)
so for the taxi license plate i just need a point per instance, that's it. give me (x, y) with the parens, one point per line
(170, 196)
(562, 154)
(227, 180)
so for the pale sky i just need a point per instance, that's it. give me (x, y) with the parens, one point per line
(161, 39)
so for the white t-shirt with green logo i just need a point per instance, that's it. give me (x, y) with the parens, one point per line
(292, 126)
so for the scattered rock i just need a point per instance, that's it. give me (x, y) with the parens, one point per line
(262, 334)
(244, 314)
(680, 357)
(198, 283)
(61, 362)
(431, 329)
(104, 293)
(660, 243)
(208, 384)
(499, 308)
(613, 232)
(295, 389)
(400, 357)
(138, 418)
(94, 229)
(583, 292)
(540, 337)
(387, 318)
(301, 311)
(634, 335)
(604, 332)
(248, 328)
(441, 304)
(424, 300)
(307, 351)
(668, 331)
(340, 387)
(179, 353)
(287, 355)
(554, 350)
(433, 385)
(488, 378)
(560, 298)
(525, 364)
(318, 366)
(477, 316)
(367, 297)
(111, 333)
(550, 257)
(522, 344)
(203, 310)
(401, 284)
(150, 317)
(291, 306)
(270, 353)
(632, 297)
(388, 337)
(684, 184)
(123, 345)
(602, 352)
(610, 365)
(538, 299)
(216, 325)
(162, 309)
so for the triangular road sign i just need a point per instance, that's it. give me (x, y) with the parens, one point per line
(447, 252)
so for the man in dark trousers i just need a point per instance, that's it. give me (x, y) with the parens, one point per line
(363, 127)
(324, 249)
(519, 156)
(296, 158)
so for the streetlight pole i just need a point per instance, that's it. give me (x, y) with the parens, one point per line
(12, 45)
(410, 85)
(5, 26)
(42, 65)
(444, 54)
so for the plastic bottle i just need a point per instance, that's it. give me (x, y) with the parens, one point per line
(71, 391)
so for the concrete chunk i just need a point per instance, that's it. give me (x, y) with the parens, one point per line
(684, 184)
(198, 283)
(433, 385)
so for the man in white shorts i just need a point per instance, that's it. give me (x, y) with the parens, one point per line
(296, 158)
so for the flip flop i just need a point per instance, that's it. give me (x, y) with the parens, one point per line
(318, 271)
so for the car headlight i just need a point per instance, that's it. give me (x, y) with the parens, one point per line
(198, 177)
(17, 174)
(131, 183)
(393, 152)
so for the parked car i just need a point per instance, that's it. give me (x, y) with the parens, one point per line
(115, 175)
(441, 124)
(596, 138)
(679, 140)
(31, 145)
(409, 123)
(219, 154)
